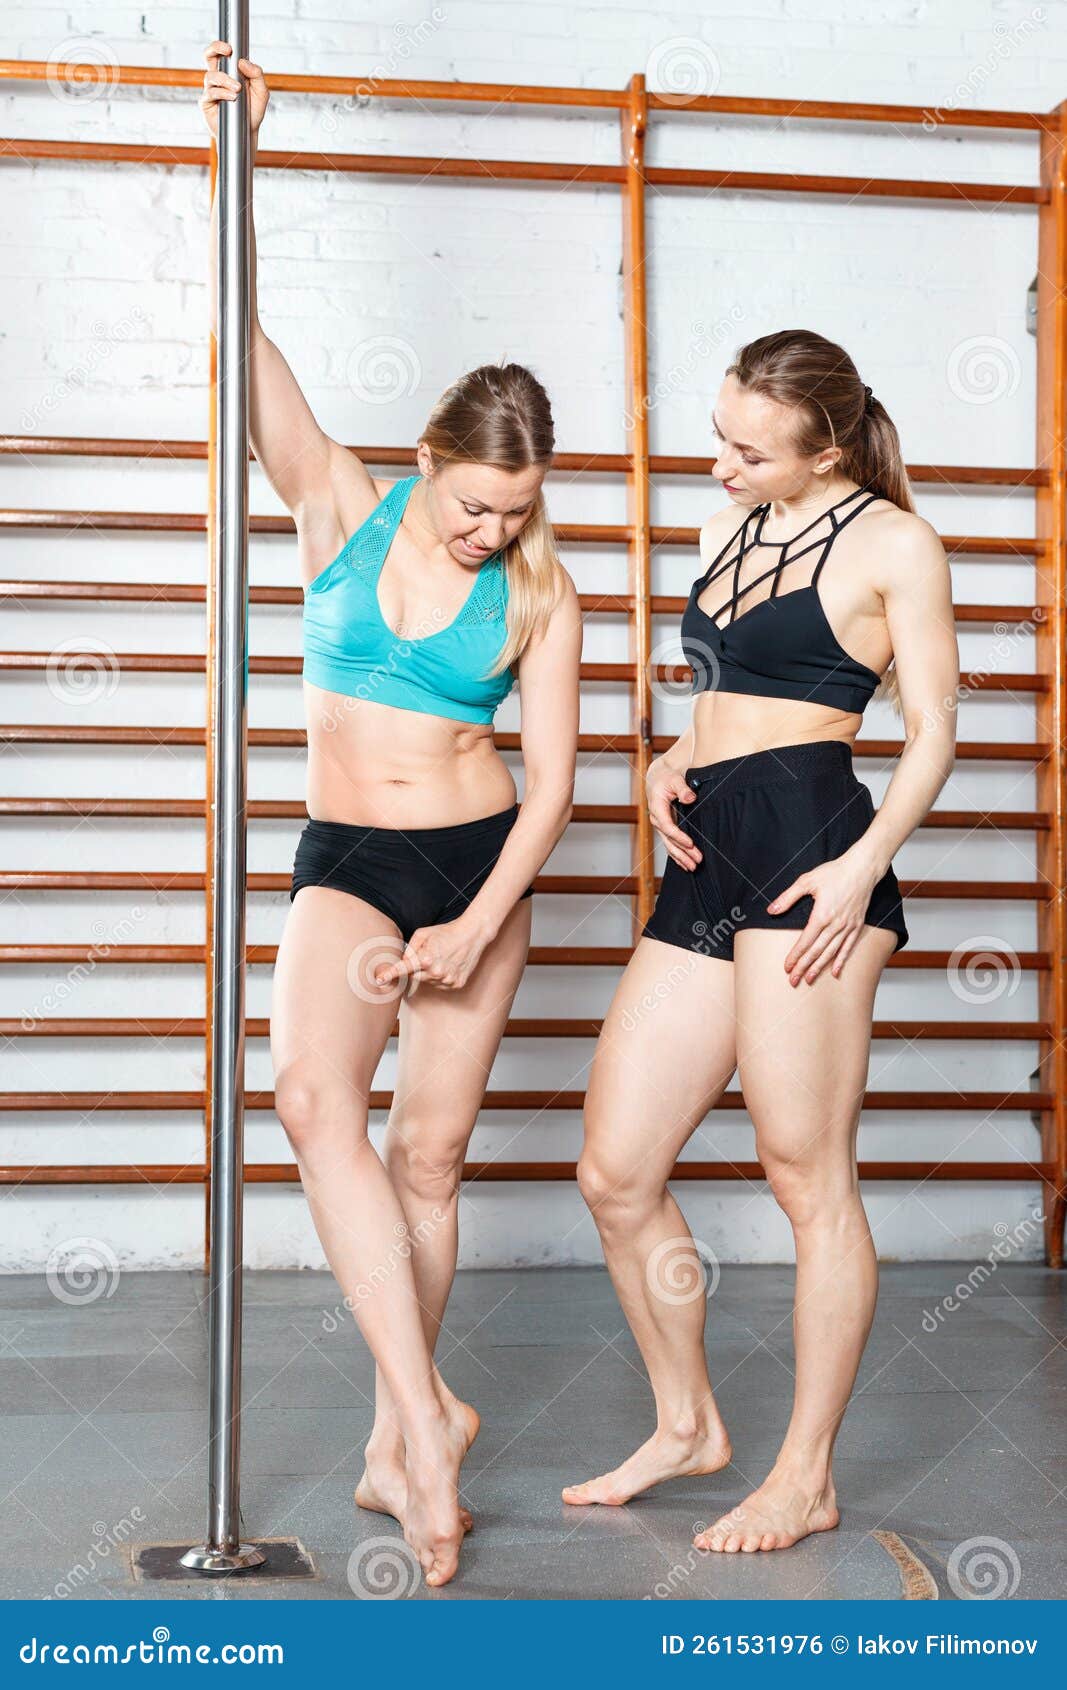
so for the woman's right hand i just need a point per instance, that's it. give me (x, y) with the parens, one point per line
(219, 85)
(661, 786)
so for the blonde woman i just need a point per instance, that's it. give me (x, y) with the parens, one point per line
(425, 601)
(779, 907)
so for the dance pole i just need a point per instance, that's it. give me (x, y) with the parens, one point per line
(223, 1550)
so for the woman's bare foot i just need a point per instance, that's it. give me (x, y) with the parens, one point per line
(782, 1511)
(383, 1486)
(433, 1524)
(673, 1454)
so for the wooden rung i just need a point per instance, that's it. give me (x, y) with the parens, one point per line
(169, 1102)
(403, 457)
(163, 1174)
(72, 522)
(192, 663)
(544, 1027)
(49, 733)
(592, 604)
(544, 956)
(550, 885)
(465, 167)
(275, 809)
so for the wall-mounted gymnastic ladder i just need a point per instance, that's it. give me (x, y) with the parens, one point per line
(636, 107)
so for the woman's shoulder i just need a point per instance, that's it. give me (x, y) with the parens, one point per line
(718, 529)
(908, 553)
(906, 533)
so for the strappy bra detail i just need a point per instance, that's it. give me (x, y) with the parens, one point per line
(790, 653)
(350, 648)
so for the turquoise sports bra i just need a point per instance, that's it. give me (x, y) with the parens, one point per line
(350, 648)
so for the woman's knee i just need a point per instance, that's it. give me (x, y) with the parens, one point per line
(806, 1187)
(423, 1162)
(313, 1102)
(614, 1193)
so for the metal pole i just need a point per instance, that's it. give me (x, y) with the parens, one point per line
(223, 1550)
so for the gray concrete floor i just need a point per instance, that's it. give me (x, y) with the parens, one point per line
(953, 1435)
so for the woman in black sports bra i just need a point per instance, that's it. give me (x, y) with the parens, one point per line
(779, 906)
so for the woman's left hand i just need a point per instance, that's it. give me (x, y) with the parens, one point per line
(444, 955)
(842, 890)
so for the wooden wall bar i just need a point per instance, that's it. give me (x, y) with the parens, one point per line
(1048, 686)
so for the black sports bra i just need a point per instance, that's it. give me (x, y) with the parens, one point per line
(782, 647)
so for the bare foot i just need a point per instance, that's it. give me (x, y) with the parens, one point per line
(383, 1487)
(433, 1525)
(778, 1514)
(667, 1455)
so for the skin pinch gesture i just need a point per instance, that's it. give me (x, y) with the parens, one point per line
(445, 955)
(426, 600)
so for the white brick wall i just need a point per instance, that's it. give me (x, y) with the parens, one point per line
(103, 308)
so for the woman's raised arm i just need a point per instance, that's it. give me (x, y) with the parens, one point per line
(325, 487)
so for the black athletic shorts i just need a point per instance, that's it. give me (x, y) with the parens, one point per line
(417, 876)
(760, 821)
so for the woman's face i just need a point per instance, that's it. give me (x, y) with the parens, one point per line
(477, 509)
(755, 459)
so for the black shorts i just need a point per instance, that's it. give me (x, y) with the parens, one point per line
(760, 821)
(417, 876)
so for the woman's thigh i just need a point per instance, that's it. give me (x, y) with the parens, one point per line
(449, 1040)
(803, 1051)
(329, 1020)
(665, 1055)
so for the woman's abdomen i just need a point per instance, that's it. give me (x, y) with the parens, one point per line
(730, 724)
(381, 766)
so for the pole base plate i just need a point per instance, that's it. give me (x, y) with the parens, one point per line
(259, 1561)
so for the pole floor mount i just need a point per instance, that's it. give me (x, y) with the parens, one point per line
(258, 1561)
